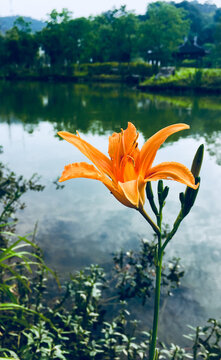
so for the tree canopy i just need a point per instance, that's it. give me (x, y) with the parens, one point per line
(116, 35)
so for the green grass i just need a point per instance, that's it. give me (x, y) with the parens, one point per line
(187, 77)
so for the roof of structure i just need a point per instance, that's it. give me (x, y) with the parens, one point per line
(190, 49)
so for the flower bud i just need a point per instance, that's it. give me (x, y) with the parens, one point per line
(150, 197)
(160, 186)
(188, 199)
(182, 198)
(165, 193)
(197, 161)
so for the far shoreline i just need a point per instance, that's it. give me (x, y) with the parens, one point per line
(184, 81)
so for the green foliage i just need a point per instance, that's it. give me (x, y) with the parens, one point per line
(12, 187)
(207, 340)
(19, 297)
(162, 32)
(22, 25)
(41, 344)
(118, 35)
(75, 326)
(196, 18)
(136, 272)
(78, 324)
(216, 50)
(115, 38)
(66, 41)
(57, 18)
(175, 352)
(121, 69)
(187, 78)
(8, 354)
(19, 47)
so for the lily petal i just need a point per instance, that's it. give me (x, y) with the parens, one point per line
(149, 149)
(134, 191)
(119, 195)
(172, 171)
(122, 143)
(85, 170)
(114, 144)
(97, 157)
(129, 138)
(130, 190)
(82, 169)
(127, 169)
(141, 189)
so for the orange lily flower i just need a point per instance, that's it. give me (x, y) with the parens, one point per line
(128, 169)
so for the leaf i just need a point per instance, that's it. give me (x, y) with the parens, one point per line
(11, 306)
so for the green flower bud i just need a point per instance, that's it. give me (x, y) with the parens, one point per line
(149, 191)
(165, 193)
(182, 198)
(160, 186)
(197, 161)
(188, 199)
(150, 197)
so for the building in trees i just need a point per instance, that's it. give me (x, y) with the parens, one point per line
(190, 50)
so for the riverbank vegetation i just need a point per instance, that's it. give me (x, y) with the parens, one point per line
(186, 79)
(113, 46)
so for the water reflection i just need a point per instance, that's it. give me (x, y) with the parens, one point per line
(103, 108)
(83, 223)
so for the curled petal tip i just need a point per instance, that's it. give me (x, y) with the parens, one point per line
(186, 126)
(61, 133)
(195, 187)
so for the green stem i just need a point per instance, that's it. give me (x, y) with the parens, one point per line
(150, 221)
(156, 305)
(173, 231)
(152, 350)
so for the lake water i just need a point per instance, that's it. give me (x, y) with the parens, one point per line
(83, 223)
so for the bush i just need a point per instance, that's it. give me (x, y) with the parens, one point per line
(115, 68)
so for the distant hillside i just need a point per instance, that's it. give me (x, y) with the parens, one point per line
(7, 22)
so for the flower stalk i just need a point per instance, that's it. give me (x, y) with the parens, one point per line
(150, 221)
(187, 200)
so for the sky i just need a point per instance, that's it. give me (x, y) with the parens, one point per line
(39, 9)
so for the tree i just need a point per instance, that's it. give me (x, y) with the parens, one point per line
(57, 18)
(201, 19)
(193, 14)
(52, 37)
(102, 29)
(125, 27)
(78, 41)
(216, 50)
(2, 52)
(20, 46)
(162, 32)
(116, 32)
(22, 25)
